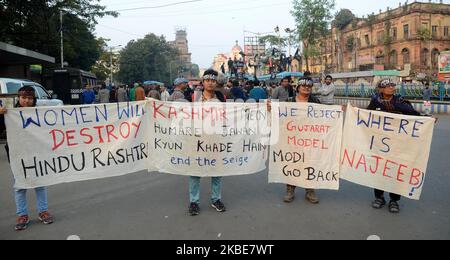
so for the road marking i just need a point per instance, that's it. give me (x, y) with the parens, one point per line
(73, 237)
(374, 237)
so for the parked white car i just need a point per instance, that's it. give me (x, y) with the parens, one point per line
(12, 86)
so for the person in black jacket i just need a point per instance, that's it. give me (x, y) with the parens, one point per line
(387, 101)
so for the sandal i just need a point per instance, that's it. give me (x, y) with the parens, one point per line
(379, 203)
(394, 207)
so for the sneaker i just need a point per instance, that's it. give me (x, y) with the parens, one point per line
(379, 203)
(394, 207)
(22, 223)
(194, 209)
(45, 218)
(218, 205)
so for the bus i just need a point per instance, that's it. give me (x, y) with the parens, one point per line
(68, 83)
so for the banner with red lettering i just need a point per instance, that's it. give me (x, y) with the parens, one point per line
(386, 151)
(305, 145)
(51, 145)
(208, 139)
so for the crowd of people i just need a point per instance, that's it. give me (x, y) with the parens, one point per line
(232, 89)
(216, 88)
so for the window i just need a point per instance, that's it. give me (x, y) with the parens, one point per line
(434, 29)
(393, 58)
(446, 31)
(380, 58)
(42, 93)
(405, 54)
(406, 31)
(13, 88)
(380, 37)
(394, 34)
(434, 58)
(424, 57)
(366, 37)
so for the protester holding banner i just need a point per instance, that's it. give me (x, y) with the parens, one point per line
(27, 98)
(208, 95)
(304, 94)
(387, 101)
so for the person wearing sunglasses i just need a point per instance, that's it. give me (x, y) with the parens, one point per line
(304, 94)
(387, 101)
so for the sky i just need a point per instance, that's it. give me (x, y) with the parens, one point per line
(213, 26)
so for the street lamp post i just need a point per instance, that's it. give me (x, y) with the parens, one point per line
(290, 32)
(111, 63)
(277, 30)
(62, 39)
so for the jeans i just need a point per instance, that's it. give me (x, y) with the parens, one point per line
(194, 189)
(22, 205)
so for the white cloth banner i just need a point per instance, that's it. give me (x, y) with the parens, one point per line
(51, 145)
(305, 145)
(208, 139)
(386, 151)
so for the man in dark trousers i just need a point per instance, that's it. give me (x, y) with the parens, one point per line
(230, 66)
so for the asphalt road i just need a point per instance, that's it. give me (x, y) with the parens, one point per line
(154, 206)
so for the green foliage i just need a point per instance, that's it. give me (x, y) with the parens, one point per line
(195, 70)
(370, 21)
(274, 41)
(313, 20)
(343, 18)
(424, 34)
(35, 25)
(102, 67)
(387, 37)
(151, 58)
(350, 43)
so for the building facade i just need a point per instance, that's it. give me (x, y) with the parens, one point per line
(408, 38)
(182, 44)
(222, 58)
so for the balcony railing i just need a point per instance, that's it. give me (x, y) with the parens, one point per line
(440, 91)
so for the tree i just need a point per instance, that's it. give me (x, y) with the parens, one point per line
(81, 48)
(195, 71)
(102, 67)
(343, 18)
(370, 21)
(273, 41)
(35, 25)
(425, 35)
(313, 19)
(387, 42)
(151, 58)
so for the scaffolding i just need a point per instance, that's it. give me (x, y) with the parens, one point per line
(254, 50)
